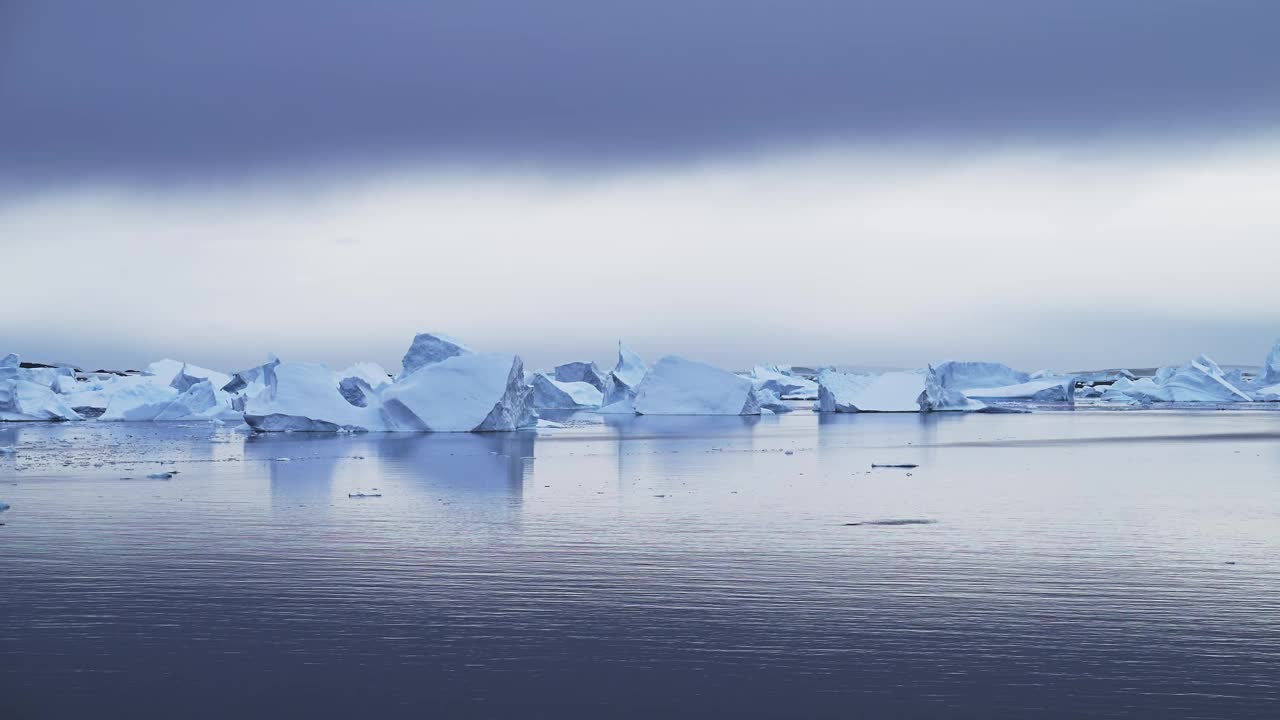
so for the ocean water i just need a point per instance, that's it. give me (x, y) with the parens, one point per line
(1049, 565)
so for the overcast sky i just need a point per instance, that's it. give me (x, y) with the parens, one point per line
(1045, 183)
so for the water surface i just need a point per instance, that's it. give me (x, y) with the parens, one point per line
(1068, 564)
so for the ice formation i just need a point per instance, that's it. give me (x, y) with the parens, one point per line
(676, 386)
(993, 381)
(586, 372)
(625, 377)
(471, 392)
(306, 397)
(23, 400)
(429, 348)
(181, 375)
(884, 392)
(783, 383)
(1201, 380)
(937, 397)
(549, 394)
(769, 400)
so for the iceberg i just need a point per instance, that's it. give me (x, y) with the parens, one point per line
(1201, 380)
(172, 372)
(429, 348)
(587, 372)
(1052, 388)
(150, 402)
(676, 386)
(248, 383)
(783, 383)
(472, 392)
(937, 397)
(625, 377)
(26, 401)
(50, 377)
(549, 394)
(976, 375)
(305, 397)
(886, 392)
(769, 400)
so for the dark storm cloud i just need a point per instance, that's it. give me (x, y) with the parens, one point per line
(170, 89)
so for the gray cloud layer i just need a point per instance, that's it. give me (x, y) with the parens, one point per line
(147, 90)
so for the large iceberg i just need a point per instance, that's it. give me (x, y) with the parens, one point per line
(53, 378)
(26, 401)
(474, 392)
(429, 348)
(676, 386)
(1266, 386)
(306, 397)
(1054, 388)
(783, 383)
(549, 394)
(884, 392)
(625, 378)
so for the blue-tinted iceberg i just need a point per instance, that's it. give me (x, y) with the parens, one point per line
(474, 392)
(549, 394)
(783, 383)
(26, 401)
(624, 379)
(676, 386)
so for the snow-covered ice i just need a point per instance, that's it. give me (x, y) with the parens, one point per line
(676, 386)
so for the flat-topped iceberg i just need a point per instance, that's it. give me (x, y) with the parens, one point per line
(1055, 388)
(549, 394)
(883, 392)
(474, 392)
(676, 386)
(429, 348)
(783, 383)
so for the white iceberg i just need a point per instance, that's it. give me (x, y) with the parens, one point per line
(305, 397)
(549, 394)
(429, 348)
(128, 400)
(1052, 388)
(883, 392)
(473, 392)
(783, 383)
(248, 383)
(625, 377)
(26, 401)
(50, 377)
(676, 386)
